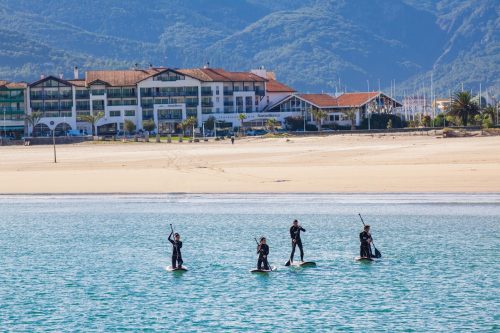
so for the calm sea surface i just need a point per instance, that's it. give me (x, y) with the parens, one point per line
(97, 263)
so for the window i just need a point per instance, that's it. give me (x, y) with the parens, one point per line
(217, 90)
(129, 113)
(115, 113)
(335, 117)
(217, 99)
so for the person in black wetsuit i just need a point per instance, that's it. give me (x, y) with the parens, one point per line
(263, 251)
(176, 250)
(365, 238)
(295, 230)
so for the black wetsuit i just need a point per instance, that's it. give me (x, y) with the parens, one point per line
(176, 252)
(365, 250)
(295, 235)
(263, 251)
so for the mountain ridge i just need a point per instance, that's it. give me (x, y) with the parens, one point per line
(313, 45)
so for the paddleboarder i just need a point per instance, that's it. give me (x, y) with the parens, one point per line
(176, 250)
(295, 230)
(263, 251)
(365, 238)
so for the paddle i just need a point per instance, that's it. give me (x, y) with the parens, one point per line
(377, 252)
(175, 246)
(289, 262)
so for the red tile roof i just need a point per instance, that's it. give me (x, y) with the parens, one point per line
(275, 86)
(119, 78)
(356, 99)
(13, 85)
(77, 82)
(320, 100)
(220, 75)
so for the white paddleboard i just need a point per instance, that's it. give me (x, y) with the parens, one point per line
(273, 268)
(178, 269)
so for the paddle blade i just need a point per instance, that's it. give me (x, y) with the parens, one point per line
(377, 253)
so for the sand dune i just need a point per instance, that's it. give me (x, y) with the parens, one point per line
(312, 164)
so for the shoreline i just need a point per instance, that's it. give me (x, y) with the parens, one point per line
(330, 164)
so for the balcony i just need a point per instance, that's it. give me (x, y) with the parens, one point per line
(98, 92)
(207, 104)
(10, 110)
(129, 94)
(228, 92)
(191, 104)
(147, 94)
(11, 99)
(191, 93)
(206, 92)
(260, 92)
(82, 95)
(114, 95)
(228, 103)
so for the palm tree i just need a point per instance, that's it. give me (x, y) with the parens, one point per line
(271, 124)
(186, 123)
(242, 117)
(463, 107)
(92, 119)
(191, 122)
(319, 116)
(351, 115)
(33, 119)
(490, 111)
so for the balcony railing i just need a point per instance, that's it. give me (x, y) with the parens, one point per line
(206, 92)
(174, 94)
(191, 104)
(230, 103)
(129, 94)
(11, 99)
(98, 92)
(114, 95)
(10, 109)
(228, 92)
(83, 95)
(260, 92)
(207, 104)
(51, 96)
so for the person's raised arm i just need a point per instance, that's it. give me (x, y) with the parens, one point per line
(170, 238)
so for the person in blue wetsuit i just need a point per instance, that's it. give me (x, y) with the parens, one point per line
(263, 251)
(176, 250)
(365, 238)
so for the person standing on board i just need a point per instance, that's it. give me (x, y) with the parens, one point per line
(295, 230)
(176, 250)
(365, 238)
(263, 251)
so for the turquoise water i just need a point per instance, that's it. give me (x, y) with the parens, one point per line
(97, 263)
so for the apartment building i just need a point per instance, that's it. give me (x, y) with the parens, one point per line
(12, 109)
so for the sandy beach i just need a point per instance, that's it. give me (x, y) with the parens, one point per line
(360, 163)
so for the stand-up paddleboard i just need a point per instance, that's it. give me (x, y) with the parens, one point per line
(178, 269)
(364, 259)
(273, 268)
(303, 264)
